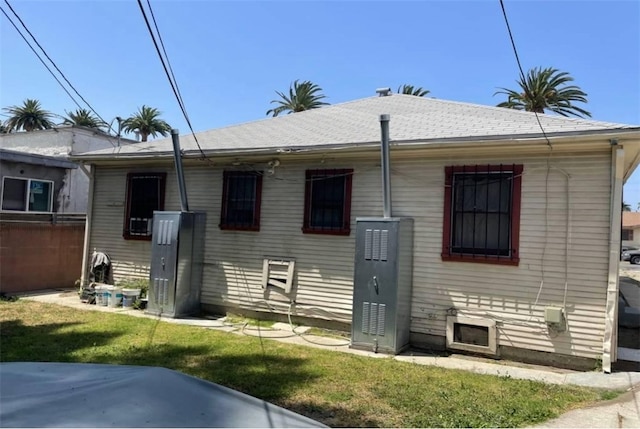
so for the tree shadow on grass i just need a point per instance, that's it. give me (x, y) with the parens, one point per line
(45, 343)
(334, 415)
(263, 375)
(267, 377)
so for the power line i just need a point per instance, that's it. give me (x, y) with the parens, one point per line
(52, 62)
(155, 24)
(39, 57)
(172, 82)
(515, 51)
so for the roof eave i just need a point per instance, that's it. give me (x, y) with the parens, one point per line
(503, 140)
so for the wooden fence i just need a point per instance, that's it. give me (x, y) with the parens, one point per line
(40, 251)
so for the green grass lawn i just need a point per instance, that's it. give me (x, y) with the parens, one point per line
(335, 388)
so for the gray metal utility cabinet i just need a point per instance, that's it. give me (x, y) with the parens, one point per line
(383, 273)
(177, 256)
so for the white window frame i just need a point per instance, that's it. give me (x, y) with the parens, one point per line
(26, 196)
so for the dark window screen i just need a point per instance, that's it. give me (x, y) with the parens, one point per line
(328, 201)
(481, 213)
(241, 200)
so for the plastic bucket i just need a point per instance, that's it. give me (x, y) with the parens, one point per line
(101, 295)
(129, 297)
(114, 296)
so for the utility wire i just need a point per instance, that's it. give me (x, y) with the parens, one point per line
(172, 82)
(164, 51)
(515, 51)
(546, 187)
(54, 65)
(40, 58)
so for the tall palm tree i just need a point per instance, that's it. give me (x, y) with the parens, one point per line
(626, 207)
(302, 96)
(411, 90)
(146, 122)
(83, 118)
(30, 116)
(546, 89)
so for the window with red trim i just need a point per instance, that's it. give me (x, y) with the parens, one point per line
(482, 213)
(327, 202)
(145, 194)
(241, 195)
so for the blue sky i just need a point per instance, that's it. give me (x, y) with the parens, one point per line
(230, 56)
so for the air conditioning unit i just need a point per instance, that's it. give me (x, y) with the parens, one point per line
(140, 226)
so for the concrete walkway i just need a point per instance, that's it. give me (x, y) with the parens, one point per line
(623, 412)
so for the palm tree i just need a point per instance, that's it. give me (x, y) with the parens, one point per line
(146, 122)
(302, 96)
(626, 207)
(83, 118)
(546, 89)
(30, 116)
(411, 90)
(3, 128)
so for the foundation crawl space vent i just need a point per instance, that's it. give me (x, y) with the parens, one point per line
(473, 335)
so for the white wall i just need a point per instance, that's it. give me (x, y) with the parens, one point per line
(62, 142)
(514, 296)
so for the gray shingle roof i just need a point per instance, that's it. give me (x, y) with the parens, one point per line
(413, 119)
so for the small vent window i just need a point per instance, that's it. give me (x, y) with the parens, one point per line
(471, 334)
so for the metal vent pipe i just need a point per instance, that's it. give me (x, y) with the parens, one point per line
(184, 205)
(386, 176)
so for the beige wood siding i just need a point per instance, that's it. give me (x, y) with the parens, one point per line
(324, 263)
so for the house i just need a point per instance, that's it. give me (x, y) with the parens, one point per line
(631, 228)
(516, 231)
(43, 201)
(49, 150)
(31, 182)
(32, 233)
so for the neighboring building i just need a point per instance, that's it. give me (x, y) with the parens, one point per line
(33, 183)
(44, 157)
(513, 227)
(631, 228)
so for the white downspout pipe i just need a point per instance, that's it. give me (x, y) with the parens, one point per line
(610, 343)
(87, 225)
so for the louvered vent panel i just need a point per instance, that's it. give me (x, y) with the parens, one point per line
(373, 318)
(367, 244)
(381, 313)
(365, 317)
(156, 289)
(384, 244)
(376, 245)
(164, 237)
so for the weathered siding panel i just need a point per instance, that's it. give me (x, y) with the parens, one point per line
(508, 294)
(514, 296)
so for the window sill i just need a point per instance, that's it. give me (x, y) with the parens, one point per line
(137, 237)
(495, 260)
(239, 228)
(326, 231)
